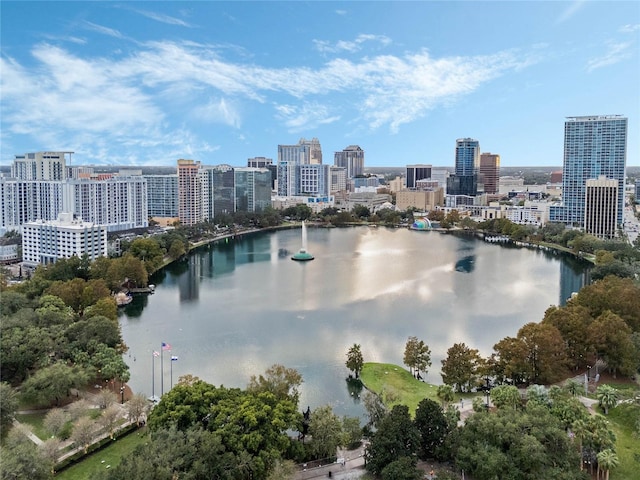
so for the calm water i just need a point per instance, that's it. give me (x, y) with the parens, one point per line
(234, 309)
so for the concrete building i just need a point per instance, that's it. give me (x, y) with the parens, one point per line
(397, 184)
(373, 201)
(313, 180)
(352, 159)
(601, 207)
(40, 166)
(637, 190)
(162, 198)
(338, 179)
(417, 172)
(440, 174)
(45, 242)
(489, 173)
(423, 200)
(594, 146)
(190, 192)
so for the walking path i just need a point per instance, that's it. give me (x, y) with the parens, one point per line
(24, 429)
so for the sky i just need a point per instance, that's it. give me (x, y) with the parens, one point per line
(147, 83)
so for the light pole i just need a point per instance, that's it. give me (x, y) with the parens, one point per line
(122, 394)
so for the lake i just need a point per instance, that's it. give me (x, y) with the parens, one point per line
(232, 309)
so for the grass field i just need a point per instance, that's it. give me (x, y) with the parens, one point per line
(108, 456)
(35, 423)
(623, 419)
(396, 386)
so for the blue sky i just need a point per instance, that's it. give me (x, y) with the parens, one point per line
(146, 83)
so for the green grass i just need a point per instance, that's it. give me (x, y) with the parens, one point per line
(396, 386)
(96, 462)
(35, 422)
(623, 420)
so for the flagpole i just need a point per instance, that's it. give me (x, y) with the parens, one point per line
(171, 374)
(153, 375)
(161, 371)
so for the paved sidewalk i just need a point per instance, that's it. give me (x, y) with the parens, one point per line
(24, 429)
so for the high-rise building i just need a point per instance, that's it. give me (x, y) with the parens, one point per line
(190, 192)
(352, 159)
(465, 179)
(417, 172)
(601, 207)
(290, 160)
(594, 146)
(45, 242)
(40, 166)
(315, 150)
(338, 179)
(162, 194)
(262, 162)
(220, 183)
(489, 173)
(252, 189)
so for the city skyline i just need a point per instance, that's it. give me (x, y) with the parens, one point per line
(147, 83)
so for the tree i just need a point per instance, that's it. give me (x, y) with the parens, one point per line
(8, 406)
(22, 459)
(83, 433)
(149, 251)
(137, 407)
(460, 368)
(55, 421)
(505, 396)
(325, 429)
(433, 427)
(109, 418)
(610, 339)
(395, 438)
(402, 469)
(354, 360)
(50, 450)
(282, 470)
(572, 322)
(52, 384)
(78, 409)
(177, 249)
(374, 407)
(514, 444)
(417, 355)
(283, 382)
(607, 397)
(445, 394)
(607, 460)
(545, 352)
(351, 432)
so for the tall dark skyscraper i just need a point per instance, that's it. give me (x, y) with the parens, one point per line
(465, 179)
(351, 158)
(417, 172)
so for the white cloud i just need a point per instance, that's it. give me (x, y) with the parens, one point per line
(305, 117)
(111, 32)
(616, 53)
(570, 11)
(341, 12)
(162, 18)
(352, 46)
(153, 96)
(629, 28)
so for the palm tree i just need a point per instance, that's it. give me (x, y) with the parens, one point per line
(445, 394)
(581, 432)
(607, 459)
(607, 397)
(574, 387)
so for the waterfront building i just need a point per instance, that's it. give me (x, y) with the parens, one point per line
(415, 173)
(162, 195)
(601, 207)
(45, 242)
(352, 159)
(423, 200)
(117, 203)
(440, 174)
(594, 146)
(40, 166)
(290, 159)
(219, 182)
(252, 189)
(373, 201)
(262, 162)
(489, 173)
(190, 192)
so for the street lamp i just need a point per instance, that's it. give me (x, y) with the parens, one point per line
(487, 391)
(122, 394)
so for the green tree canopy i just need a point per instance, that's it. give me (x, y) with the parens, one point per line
(460, 368)
(355, 360)
(417, 355)
(433, 427)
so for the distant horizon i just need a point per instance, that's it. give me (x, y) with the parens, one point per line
(145, 83)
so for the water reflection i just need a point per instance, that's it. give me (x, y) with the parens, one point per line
(232, 310)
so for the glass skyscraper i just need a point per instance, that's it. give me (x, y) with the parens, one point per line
(465, 179)
(594, 146)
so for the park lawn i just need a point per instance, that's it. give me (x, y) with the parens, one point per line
(111, 455)
(623, 419)
(35, 421)
(396, 386)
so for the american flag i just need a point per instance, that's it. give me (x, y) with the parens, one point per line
(156, 354)
(166, 346)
